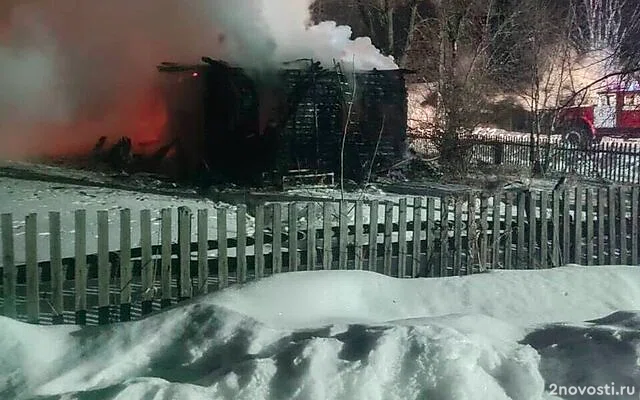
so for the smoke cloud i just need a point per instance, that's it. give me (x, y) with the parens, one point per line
(73, 70)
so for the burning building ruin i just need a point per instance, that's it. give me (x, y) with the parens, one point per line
(233, 124)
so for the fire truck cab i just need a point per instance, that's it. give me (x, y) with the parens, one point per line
(615, 114)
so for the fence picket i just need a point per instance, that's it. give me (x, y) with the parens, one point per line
(601, 224)
(566, 226)
(241, 245)
(104, 268)
(589, 224)
(472, 235)
(125, 264)
(457, 237)
(577, 230)
(520, 229)
(533, 227)
(259, 241)
(223, 261)
(508, 231)
(185, 288)
(556, 254)
(544, 230)
(57, 271)
(634, 224)
(276, 230)
(358, 236)
(311, 237)
(388, 231)
(416, 243)
(430, 237)
(165, 257)
(80, 251)
(611, 208)
(402, 238)
(495, 230)
(343, 237)
(622, 212)
(327, 233)
(9, 279)
(33, 276)
(203, 250)
(484, 231)
(293, 237)
(148, 266)
(372, 264)
(444, 237)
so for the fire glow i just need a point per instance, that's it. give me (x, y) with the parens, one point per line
(77, 71)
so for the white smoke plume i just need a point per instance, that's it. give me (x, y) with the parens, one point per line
(71, 71)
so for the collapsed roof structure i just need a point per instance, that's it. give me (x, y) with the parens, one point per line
(240, 125)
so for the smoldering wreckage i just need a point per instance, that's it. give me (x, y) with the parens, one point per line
(299, 125)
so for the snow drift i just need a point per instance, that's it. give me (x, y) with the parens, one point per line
(338, 335)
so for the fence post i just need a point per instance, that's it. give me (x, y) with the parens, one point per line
(165, 263)
(55, 265)
(203, 251)
(402, 238)
(126, 275)
(147, 267)
(372, 264)
(293, 237)
(311, 237)
(223, 262)
(358, 236)
(259, 243)
(104, 270)
(417, 228)
(81, 266)
(241, 247)
(9, 280)
(33, 276)
(388, 230)
(185, 287)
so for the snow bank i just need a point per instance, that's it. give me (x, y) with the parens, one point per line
(338, 335)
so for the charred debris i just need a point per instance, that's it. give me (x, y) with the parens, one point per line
(254, 127)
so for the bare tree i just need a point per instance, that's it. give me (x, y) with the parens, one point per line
(604, 24)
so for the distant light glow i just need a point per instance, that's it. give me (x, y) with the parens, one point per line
(195, 74)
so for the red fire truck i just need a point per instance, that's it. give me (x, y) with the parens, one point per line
(616, 114)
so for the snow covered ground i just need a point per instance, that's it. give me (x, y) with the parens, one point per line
(22, 197)
(350, 335)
